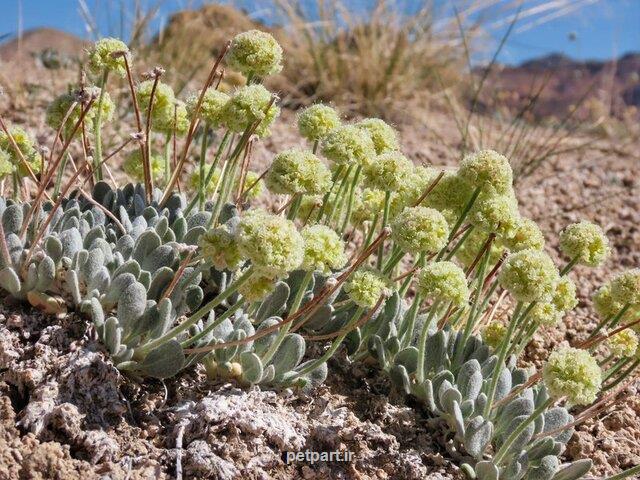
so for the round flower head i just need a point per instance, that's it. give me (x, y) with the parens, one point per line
(474, 245)
(388, 172)
(494, 333)
(211, 108)
(416, 185)
(420, 230)
(323, 249)
(219, 247)
(348, 145)
(365, 287)
(384, 136)
(6, 167)
(271, 242)
(545, 314)
(176, 117)
(574, 374)
(526, 235)
(250, 105)
(450, 193)
(496, 213)
(367, 204)
(623, 344)
(605, 305)
(298, 172)
(26, 146)
(625, 287)
(163, 96)
(529, 275)
(488, 170)
(586, 242)
(257, 287)
(255, 53)
(316, 121)
(103, 56)
(60, 106)
(564, 296)
(444, 281)
(132, 165)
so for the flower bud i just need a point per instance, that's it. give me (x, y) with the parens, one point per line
(385, 138)
(103, 55)
(348, 145)
(529, 275)
(420, 230)
(365, 287)
(298, 172)
(488, 170)
(323, 249)
(388, 172)
(255, 53)
(316, 121)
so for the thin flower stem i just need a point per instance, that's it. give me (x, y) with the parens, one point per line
(203, 155)
(385, 221)
(334, 345)
(504, 448)
(422, 342)
(460, 220)
(295, 305)
(141, 351)
(205, 331)
(97, 127)
(502, 355)
(352, 192)
(325, 199)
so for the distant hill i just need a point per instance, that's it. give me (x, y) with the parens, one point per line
(34, 42)
(615, 84)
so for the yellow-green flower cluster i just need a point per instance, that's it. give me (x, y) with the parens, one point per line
(219, 247)
(474, 244)
(623, 344)
(211, 108)
(494, 333)
(574, 374)
(585, 242)
(60, 106)
(103, 56)
(367, 204)
(605, 305)
(496, 213)
(167, 113)
(415, 186)
(384, 136)
(250, 105)
(6, 167)
(527, 234)
(488, 170)
(564, 296)
(625, 288)
(529, 275)
(255, 53)
(444, 281)
(388, 172)
(365, 287)
(298, 172)
(323, 249)
(271, 242)
(26, 146)
(420, 230)
(450, 193)
(316, 121)
(545, 314)
(257, 287)
(348, 145)
(133, 167)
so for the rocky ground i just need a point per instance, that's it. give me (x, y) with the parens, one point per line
(67, 413)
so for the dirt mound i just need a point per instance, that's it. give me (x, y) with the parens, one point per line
(31, 45)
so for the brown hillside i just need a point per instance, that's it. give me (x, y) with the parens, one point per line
(34, 42)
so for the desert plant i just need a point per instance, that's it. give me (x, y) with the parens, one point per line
(171, 280)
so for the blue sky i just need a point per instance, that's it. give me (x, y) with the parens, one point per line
(598, 29)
